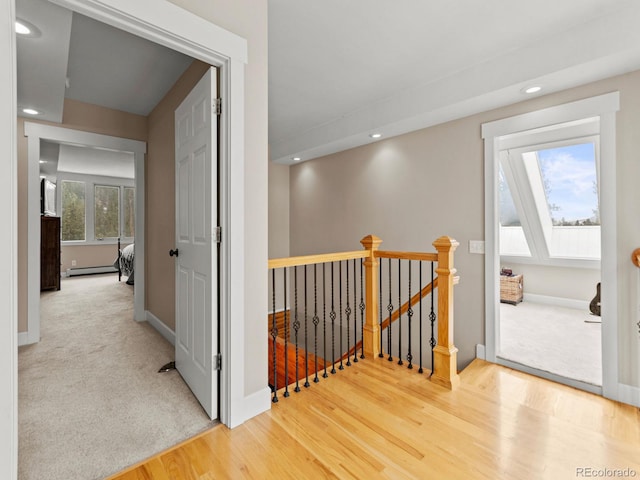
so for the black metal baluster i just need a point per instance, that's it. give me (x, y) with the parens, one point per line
(306, 322)
(400, 362)
(381, 355)
(324, 319)
(316, 320)
(420, 370)
(409, 315)
(296, 326)
(274, 334)
(347, 312)
(287, 319)
(341, 367)
(362, 308)
(332, 315)
(432, 319)
(390, 310)
(355, 315)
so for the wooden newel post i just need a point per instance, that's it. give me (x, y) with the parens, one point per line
(445, 368)
(371, 340)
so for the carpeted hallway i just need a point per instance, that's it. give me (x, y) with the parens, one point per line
(90, 399)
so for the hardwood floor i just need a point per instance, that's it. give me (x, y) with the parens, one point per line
(379, 420)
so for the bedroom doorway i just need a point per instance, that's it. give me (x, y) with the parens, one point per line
(598, 113)
(36, 133)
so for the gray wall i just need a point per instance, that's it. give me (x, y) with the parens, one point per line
(278, 210)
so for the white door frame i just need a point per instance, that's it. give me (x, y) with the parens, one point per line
(604, 107)
(176, 28)
(36, 132)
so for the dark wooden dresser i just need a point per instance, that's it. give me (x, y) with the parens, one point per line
(49, 253)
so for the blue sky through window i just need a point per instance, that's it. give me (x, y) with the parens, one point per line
(570, 181)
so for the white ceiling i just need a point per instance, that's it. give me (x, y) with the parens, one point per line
(104, 66)
(341, 70)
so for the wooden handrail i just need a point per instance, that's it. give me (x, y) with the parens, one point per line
(444, 368)
(321, 258)
(426, 257)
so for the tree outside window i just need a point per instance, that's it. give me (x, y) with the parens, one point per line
(73, 211)
(107, 212)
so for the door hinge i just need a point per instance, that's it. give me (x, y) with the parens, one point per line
(217, 361)
(217, 106)
(218, 234)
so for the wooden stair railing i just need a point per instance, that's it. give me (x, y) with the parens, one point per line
(426, 290)
(444, 367)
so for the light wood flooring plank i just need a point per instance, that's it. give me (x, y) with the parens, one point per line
(378, 420)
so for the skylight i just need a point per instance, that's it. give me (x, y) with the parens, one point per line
(570, 183)
(549, 208)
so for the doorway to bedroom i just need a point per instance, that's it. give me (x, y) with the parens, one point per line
(549, 236)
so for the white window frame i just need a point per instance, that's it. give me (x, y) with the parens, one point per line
(91, 182)
(527, 190)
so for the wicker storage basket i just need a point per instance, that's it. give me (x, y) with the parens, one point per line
(511, 289)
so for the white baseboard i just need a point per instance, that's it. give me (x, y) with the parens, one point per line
(23, 339)
(480, 352)
(557, 301)
(252, 405)
(162, 329)
(629, 394)
(72, 272)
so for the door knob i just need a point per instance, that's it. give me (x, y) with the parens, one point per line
(173, 252)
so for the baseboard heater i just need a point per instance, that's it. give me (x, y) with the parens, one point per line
(72, 272)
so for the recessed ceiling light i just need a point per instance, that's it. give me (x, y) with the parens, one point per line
(22, 29)
(296, 159)
(532, 89)
(30, 111)
(375, 135)
(43, 161)
(26, 29)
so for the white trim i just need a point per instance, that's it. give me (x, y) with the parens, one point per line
(165, 24)
(480, 352)
(256, 403)
(609, 230)
(629, 394)
(556, 301)
(168, 334)
(587, 387)
(23, 339)
(37, 131)
(231, 266)
(9, 246)
(78, 271)
(567, 112)
(603, 106)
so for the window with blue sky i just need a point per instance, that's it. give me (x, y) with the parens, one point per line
(549, 209)
(570, 182)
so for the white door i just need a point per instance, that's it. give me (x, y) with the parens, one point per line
(196, 247)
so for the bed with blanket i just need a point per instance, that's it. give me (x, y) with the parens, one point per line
(124, 263)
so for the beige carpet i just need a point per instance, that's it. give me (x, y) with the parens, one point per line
(90, 399)
(553, 339)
